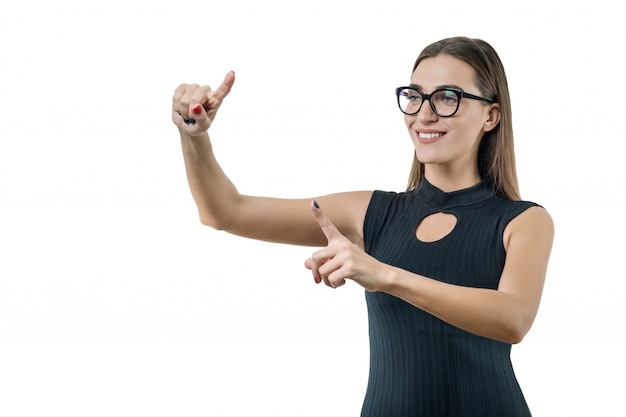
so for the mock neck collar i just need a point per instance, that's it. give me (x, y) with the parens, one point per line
(444, 200)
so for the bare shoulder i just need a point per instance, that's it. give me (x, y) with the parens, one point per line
(533, 226)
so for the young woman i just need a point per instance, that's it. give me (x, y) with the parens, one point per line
(454, 267)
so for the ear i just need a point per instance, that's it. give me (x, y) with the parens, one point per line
(493, 117)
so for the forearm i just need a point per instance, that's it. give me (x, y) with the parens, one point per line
(485, 312)
(214, 194)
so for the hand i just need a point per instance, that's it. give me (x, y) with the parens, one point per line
(342, 259)
(194, 107)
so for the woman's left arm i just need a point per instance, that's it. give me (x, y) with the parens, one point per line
(505, 314)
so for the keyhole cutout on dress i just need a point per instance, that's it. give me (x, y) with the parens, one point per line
(435, 227)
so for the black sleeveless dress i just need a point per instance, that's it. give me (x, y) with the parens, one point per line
(420, 365)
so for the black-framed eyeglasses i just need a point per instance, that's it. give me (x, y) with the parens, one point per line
(444, 101)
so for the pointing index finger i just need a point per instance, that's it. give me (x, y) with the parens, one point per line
(330, 230)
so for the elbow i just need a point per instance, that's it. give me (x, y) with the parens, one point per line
(515, 338)
(511, 336)
(212, 222)
(220, 216)
(516, 332)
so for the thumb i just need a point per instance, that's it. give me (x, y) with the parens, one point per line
(330, 230)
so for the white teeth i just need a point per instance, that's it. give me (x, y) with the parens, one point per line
(429, 135)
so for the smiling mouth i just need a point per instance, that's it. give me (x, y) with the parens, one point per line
(429, 135)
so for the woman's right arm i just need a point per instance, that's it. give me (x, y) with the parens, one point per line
(222, 207)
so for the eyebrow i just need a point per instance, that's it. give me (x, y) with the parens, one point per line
(420, 88)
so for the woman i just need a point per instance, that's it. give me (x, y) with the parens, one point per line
(454, 267)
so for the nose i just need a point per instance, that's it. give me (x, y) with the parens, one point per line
(426, 113)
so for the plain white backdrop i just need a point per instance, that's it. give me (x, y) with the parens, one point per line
(115, 300)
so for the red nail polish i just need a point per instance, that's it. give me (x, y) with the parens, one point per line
(317, 280)
(197, 109)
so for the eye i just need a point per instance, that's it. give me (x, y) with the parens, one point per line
(446, 97)
(413, 96)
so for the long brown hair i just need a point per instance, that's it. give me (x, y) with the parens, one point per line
(496, 155)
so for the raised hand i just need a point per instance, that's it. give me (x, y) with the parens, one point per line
(342, 259)
(194, 107)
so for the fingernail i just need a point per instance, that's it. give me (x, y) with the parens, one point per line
(192, 121)
(317, 280)
(187, 121)
(197, 109)
(315, 204)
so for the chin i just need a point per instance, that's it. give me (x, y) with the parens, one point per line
(430, 157)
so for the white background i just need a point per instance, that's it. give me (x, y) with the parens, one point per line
(115, 300)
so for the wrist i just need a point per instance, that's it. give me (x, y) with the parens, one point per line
(390, 278)
(194, 140)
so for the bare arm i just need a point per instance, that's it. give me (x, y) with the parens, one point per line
(504, 314)
(221, 206)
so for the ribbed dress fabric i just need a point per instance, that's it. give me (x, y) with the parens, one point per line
(419, 364)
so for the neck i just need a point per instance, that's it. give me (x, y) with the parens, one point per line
(448, 180)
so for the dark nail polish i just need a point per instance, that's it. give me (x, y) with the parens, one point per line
(315, 204)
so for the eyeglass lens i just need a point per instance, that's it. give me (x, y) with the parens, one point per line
(444, 102)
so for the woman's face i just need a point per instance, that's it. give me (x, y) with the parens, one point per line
(451, 141)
